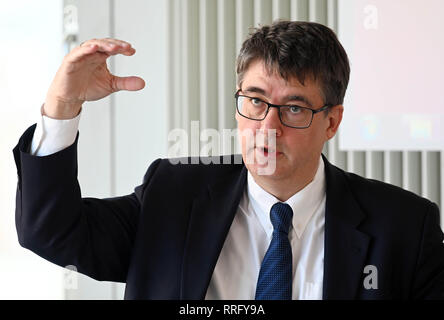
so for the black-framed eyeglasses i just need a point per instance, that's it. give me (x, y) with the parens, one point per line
(292, 116)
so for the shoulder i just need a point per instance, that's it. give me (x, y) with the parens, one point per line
(378, 191)
(395, 218)
(209, 167)
(389, 204)
(192, 173)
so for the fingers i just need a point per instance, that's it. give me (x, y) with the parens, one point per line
(77, 53)
(111, 46)
(107, 46)
(127, 83)
(118, 42)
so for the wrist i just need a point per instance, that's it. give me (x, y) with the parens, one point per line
(60, 110)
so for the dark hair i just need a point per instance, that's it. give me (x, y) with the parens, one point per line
(299, 49)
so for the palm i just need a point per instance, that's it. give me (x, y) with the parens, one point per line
(84, 76)
(95, 83)
(85, 80)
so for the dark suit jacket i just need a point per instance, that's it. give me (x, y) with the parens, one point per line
(164, 239)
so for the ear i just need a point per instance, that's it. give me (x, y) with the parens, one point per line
(334, 120)
(236, 114)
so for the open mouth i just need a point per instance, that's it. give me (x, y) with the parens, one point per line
(268, 152)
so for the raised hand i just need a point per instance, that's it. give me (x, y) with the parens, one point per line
(84, 76)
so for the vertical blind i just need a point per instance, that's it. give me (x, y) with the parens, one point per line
(204, 39)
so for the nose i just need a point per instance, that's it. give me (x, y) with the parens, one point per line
(272, 121)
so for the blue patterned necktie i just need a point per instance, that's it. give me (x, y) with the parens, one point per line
(275, 275)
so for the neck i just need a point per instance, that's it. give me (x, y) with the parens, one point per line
(285, 187)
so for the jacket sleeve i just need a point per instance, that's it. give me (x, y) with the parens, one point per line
(429, 275)
(95, 236)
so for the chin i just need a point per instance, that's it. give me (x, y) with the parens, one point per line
(271, 170)
(273, 166)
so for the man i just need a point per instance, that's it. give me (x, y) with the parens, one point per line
(304, 230)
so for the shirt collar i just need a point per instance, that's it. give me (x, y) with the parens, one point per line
(304, 203)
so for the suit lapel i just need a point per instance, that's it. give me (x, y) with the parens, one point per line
(211, 216)
(345, 246)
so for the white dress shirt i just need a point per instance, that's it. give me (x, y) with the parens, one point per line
(52, 135)
(237, 269)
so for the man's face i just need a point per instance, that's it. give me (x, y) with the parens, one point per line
(297, 150)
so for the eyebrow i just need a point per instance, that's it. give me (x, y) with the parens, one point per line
(288, 98)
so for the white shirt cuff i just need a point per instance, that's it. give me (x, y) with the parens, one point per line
(53, 135)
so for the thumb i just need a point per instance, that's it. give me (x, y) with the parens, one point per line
(128, 83)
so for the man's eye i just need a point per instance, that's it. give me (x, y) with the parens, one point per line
(256, 102)
(295, 109)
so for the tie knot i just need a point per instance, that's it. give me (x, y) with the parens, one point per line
(281, 215)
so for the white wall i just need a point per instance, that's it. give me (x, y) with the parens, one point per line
(31, 34)
(140, 118)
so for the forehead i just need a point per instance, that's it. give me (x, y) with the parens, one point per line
(273, 83)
